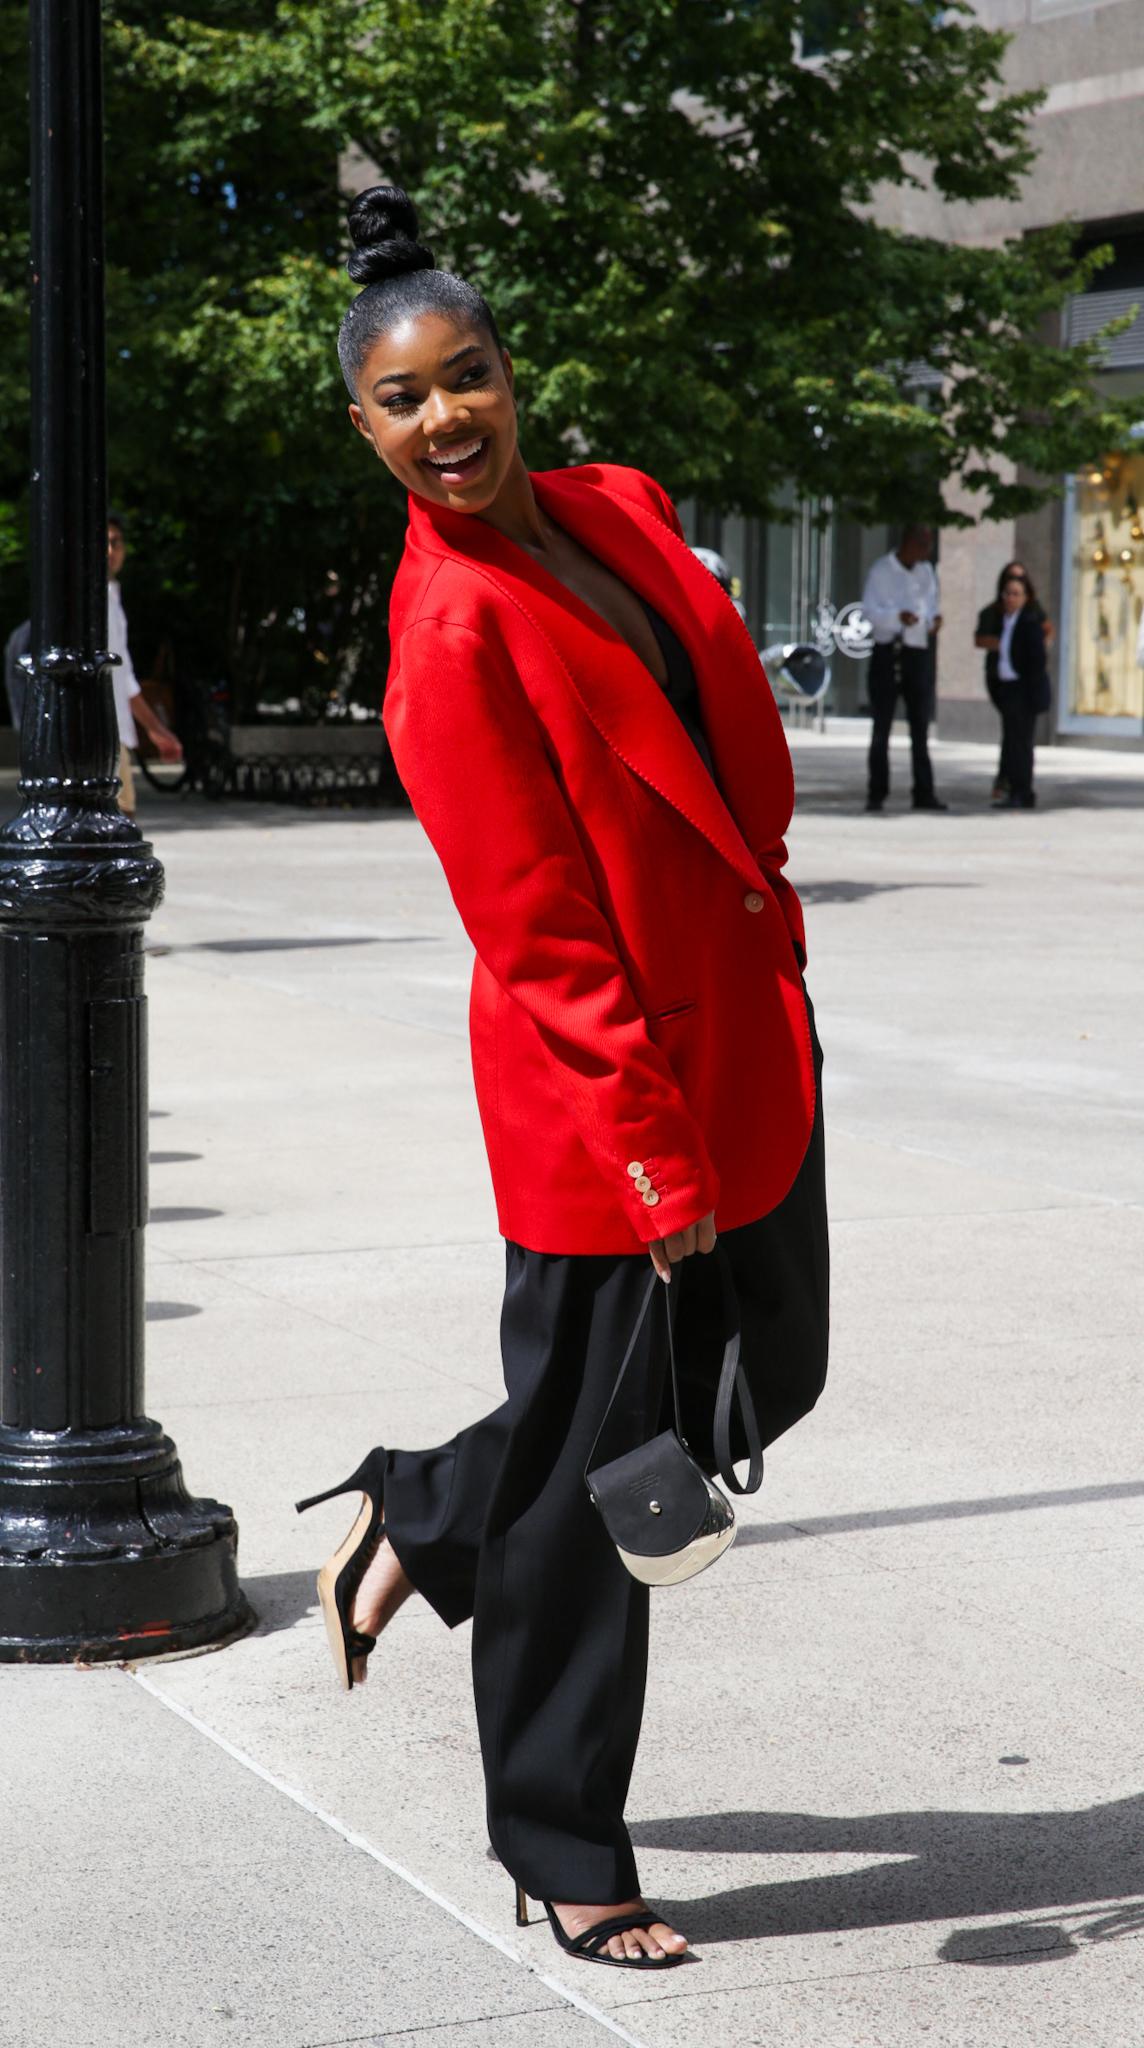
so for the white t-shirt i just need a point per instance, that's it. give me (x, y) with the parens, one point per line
(892, 589)
(123, 678)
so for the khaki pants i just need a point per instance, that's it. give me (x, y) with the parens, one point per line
(126, 783)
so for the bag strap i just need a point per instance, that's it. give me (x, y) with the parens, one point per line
(632, 1341)
(732, 1386)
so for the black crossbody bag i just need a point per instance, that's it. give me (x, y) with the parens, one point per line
(667, 1519)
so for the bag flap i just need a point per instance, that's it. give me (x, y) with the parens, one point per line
(660, 1471)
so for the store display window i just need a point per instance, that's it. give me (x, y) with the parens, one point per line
(1107, 573)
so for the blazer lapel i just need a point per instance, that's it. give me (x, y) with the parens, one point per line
(740, 715)
(620, 696)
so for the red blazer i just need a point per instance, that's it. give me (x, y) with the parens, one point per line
(639, 1033)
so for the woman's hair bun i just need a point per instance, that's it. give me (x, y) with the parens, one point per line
(383, 227)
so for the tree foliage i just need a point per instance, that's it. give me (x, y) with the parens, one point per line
(675, 219)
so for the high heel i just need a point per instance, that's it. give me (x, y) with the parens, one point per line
(588, 1947)
(341, 1575)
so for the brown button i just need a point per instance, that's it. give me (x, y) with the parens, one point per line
(643, 1183)
(651, 1198)
(636, 1168)
(753, 900)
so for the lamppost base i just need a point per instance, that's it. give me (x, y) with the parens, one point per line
(189, 1601)
(104, 1556)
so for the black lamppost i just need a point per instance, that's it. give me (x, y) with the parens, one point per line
(102, 1552)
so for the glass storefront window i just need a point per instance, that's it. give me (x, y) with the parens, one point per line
(790, 571)
(1105, 679)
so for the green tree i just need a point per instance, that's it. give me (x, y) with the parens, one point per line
(673, 217)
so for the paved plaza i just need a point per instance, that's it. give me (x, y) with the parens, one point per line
(892, 1774)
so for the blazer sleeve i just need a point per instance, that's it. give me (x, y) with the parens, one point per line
(1032, 663)
(470, 752)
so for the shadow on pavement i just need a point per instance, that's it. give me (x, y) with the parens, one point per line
(825, 788)
(281, 1599)
(172, 1215)
(856, 892)
(165, 815)
(952, 1866)
(304, 945)
(938, 1511)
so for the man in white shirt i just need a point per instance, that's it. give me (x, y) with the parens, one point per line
(131, 706)
(902, 602)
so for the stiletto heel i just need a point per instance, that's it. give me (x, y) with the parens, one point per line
(521, 1906)
(362, 1479)
(341, 1575)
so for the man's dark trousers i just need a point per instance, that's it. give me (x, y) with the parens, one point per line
(900, 671)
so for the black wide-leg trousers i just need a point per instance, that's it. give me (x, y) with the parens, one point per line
(498, 1525)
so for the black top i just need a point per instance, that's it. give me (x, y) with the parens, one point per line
(681, 688)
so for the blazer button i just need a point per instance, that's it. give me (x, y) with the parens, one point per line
(651, 1198)
(643, 1183)
(636, 1168)
(753, 901)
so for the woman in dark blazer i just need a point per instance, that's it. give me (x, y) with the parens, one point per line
(1021, 685)
(581, 722)
(987, 636)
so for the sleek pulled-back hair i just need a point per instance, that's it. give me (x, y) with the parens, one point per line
(400, 279)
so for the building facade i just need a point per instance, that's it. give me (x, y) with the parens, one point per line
(1085, 549)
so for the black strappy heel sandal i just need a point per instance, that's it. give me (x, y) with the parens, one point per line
(587, 1947)
(341, 1575)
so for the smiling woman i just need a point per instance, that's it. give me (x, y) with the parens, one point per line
(584, 729)
(437, 408)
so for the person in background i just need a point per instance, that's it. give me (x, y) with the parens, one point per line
(1022, 686)
(902, 602)
(714, 561)
(16, 646)
(988, 637)
(131, 706)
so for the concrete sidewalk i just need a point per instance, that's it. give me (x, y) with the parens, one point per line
(892, 1780)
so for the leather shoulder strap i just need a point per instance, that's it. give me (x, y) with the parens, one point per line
(732, 1387)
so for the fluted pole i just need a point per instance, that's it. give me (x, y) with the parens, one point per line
(103, 1554)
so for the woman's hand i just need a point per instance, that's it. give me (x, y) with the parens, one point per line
(666, 1252)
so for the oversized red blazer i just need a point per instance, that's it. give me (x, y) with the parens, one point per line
(639, 1031)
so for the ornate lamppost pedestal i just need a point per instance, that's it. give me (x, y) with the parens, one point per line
(104, 1557)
